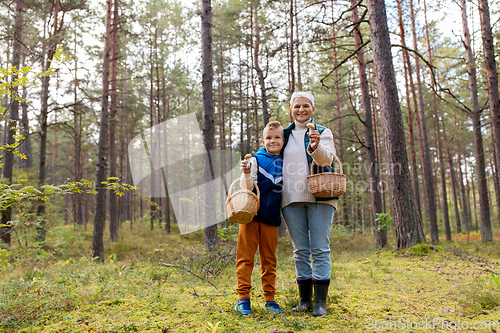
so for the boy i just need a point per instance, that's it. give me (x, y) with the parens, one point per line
(262, 232)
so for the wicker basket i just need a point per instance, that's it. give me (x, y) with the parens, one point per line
(242, 205)
(327, 184)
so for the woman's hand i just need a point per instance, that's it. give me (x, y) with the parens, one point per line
(315, 139)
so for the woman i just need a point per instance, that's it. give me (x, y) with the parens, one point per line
(308, 219)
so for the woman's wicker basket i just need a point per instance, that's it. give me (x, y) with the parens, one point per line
(242, 205)
(327, 184)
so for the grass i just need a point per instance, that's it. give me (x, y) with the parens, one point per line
(57, 288)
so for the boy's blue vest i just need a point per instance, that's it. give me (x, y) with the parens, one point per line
(270, 182)
(307, 140)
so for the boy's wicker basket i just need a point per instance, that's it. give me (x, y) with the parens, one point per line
(327, 184)
(242, 205)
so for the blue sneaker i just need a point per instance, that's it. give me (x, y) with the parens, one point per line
(273, 307)
(243, 306)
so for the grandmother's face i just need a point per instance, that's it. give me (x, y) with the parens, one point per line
(302, 109)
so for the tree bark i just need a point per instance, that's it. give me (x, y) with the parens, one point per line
(444, 205)
(12, 118)
(490, 69)
(292, 71)
(210, 232)
(408, 221)
(496, 181)
(152, 121)
(299, 78)
(113, 204)
(486, 232)
(424, 142)
(375, 193)
(53, 166)
(454, 183)
(340, 143)
(25, 147)
(258, 70)
(409, 85)
(42, 149)
(77, 197)
(100, 205)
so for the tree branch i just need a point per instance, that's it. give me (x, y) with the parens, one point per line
(348, 10)
(189, 271)
(359, 140)
(343, 62)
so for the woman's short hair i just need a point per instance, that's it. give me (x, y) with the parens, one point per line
(306, 94)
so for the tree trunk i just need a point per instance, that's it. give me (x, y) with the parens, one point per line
(340, 142)
(100, 204)
(409, 84)
(53, 165)
(496, 182)
(166, 114)
(42, 149)
(210, 232)
(466, 212)
(12, 118)
(152, 206)
(444, 205)
(254, 99)
(486, 232)
(454, 183)
(292, 71)
(299, 78)
(375, 193)
(490, 69)
(25, 147)
(113, 205)
(408, 221)
(260, 73)
(77, 197)
(424, 142)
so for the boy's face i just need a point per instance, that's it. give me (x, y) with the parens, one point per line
(302, 109)
(273, 140)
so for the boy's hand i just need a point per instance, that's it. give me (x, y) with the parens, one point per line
(315, 138)
(244, 166)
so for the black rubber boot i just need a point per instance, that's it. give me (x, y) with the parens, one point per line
(305, 293)
(320, 295)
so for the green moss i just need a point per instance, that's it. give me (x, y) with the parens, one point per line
(422, 249)
(132, 292)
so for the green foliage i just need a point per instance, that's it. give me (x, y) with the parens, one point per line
(22, 193)
(228, 234)
(479, 297)
(383, 220)
(495, 279)
(4, 258)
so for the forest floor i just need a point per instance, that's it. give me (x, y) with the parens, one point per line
(57, 287)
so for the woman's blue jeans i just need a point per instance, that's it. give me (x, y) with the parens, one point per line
(309, 225)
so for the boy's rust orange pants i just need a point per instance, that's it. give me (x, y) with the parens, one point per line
(265, 237)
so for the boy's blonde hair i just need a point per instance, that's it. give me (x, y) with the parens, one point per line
(273, 125)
